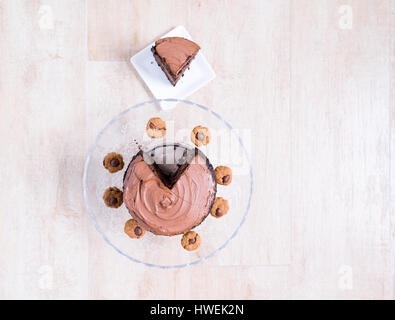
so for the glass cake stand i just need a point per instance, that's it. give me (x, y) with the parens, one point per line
(126, 134)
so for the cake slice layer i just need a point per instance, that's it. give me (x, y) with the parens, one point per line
(174, 55)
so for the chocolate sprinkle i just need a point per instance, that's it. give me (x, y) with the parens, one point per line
(138, 231)
(200, 136)
(114, 162)
(152, 126)
(218, 212)
(113, 201)
(192, 241)
(225, 179)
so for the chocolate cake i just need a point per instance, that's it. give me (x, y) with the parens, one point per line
(170, 189)
(174, 55)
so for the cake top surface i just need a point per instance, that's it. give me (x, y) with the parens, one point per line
(176, 51)
(165, 211)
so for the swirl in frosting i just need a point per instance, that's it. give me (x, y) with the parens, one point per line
(165, 211)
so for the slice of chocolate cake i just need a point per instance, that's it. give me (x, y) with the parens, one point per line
(174, 55)
(170, 161)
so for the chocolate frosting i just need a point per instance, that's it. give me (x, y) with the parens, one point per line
(176, 52)
(165, 211)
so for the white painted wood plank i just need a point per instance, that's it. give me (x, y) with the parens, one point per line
(391, 280)
(43, 220)
(340, 150)
(120, 28)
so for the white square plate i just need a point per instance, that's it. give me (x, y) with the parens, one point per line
(199, 74)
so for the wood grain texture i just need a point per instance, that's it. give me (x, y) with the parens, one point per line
(315, 92)
(120, 28)
(392, 138)
(340, 150)
(43, 220)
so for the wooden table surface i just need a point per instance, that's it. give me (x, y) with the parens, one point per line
(312, 80)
